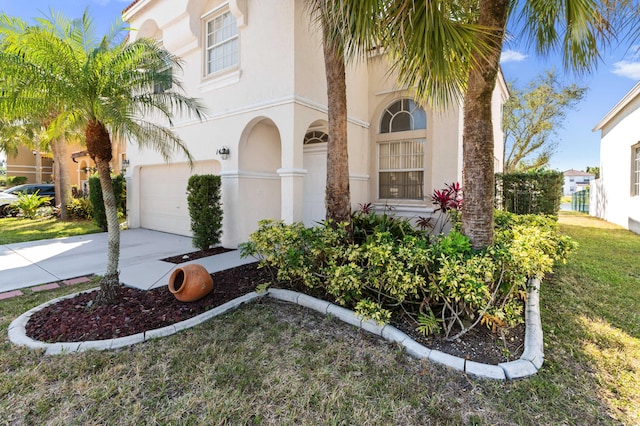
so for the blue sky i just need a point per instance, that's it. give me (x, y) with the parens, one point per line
(578, 146)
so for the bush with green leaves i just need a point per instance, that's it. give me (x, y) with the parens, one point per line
(439, 284)
(205, 210)
(28, 204)
(97, 203)
(79, 208)
(16, 180)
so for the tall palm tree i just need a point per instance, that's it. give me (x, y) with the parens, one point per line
(449, 51)
(337, 193)
(105, 87)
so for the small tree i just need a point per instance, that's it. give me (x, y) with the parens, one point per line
(205, 210)
(532, 117)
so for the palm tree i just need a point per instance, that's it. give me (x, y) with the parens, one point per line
(449, 51)
(337, 194)
(105, 88)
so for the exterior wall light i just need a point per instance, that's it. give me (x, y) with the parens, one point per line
(125, 164)
(224, 152)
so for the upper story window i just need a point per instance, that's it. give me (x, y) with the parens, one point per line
(222, 43)
(635, 188)
(403, 115)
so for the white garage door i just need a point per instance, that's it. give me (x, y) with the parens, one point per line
(163, 195)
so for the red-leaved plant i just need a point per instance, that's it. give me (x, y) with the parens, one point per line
(449, 202)
(449, 198)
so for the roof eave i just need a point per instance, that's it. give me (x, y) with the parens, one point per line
(626, 100)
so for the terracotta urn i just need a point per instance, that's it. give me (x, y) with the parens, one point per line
(190, 282)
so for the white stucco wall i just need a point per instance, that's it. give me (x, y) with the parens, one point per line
(262, 109)
(611, 195)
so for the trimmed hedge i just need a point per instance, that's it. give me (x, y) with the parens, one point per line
(205, 210)
(97, 203)
(536, 192)
(16, 180)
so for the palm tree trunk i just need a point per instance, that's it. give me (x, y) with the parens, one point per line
(337, 197)
(60, 151)
(100, 149)
(478, 145)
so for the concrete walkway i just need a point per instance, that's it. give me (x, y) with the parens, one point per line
(39, 262)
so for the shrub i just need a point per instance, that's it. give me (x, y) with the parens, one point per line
(366, 222)
(536, 192)
(28, 204)
(97, 203)
(205, 210)
(79, 208)
(439, 284)
(16, 180)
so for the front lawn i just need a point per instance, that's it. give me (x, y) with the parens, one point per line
(273, 363)
(18, 230)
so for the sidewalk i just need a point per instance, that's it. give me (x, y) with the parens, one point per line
(40, 262)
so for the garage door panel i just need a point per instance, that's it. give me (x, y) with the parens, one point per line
(163, 195)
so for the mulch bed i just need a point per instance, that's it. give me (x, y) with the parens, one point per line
(77, 319)
(187, 257)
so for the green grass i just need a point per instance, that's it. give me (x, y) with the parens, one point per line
(274, 363)
(17, 230)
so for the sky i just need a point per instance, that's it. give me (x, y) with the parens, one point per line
(578, 145)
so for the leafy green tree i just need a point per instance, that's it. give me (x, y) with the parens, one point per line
(103, 87)
(450, 51)
(531, 119)
(594, 171)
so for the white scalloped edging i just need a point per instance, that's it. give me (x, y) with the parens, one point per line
(18, 335)
(528, 364)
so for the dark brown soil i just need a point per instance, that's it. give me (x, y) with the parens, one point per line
(76, 319)
(182, 258)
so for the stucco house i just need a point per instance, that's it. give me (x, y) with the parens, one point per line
(576, 180)
(615, 196)
(38, 167)
(258, 66)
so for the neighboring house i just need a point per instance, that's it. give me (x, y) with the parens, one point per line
(258, 67)
(37, 166)
(616, 194)
(576, 180)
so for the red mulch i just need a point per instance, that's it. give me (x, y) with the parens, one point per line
(75, 319)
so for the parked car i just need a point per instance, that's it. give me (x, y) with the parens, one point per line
(10, 195)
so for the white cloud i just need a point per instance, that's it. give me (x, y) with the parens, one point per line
(627, 69)
(512, 56)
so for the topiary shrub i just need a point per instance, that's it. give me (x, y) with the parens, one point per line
(97, 203)
(205, 210)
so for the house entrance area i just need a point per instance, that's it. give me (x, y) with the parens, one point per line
(315, 162)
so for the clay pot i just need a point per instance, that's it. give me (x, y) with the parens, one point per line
(190, 282)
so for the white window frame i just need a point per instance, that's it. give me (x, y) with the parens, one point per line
(404, 138)
(233, 40)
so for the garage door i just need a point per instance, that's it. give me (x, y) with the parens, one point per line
(163, 195)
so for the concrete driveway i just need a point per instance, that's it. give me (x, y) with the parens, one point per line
(39, 262)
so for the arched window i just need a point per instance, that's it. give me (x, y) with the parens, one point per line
(401, 151)
(403, 115)
(315, 136)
